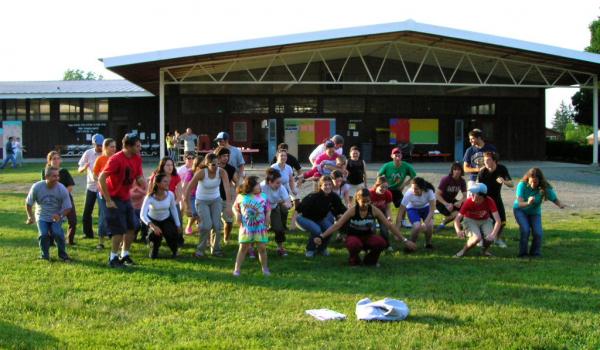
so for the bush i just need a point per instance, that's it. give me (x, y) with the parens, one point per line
(568, 151)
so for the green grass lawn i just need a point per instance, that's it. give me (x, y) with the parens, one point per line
(501, 302)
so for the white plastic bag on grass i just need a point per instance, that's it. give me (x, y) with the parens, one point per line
(325, 314)
(381, 310)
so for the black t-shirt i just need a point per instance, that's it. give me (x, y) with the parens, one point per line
(356, 171)
(489, 179)
(230, 170)
(64, 177)
(291, 161)
(9, 148)
(317, 205)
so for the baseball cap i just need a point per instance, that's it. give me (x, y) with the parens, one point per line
(396, 150)
(478, 188)
(222, 136)
(329, 144)
(98, 139)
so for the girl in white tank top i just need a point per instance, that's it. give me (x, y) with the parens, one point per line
(208, 188)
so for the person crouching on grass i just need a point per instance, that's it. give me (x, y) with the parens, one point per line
(361, 231)
(532, 191)
(159, 212)
(419, 204)
(253, 213)
(280, 203)
(52, 205)
(477, 211)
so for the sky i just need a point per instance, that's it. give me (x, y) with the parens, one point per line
(41, 39)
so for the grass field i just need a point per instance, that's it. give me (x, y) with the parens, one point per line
(475, 302)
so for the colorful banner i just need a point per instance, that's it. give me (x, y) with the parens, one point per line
(311, 131)
(415, 131)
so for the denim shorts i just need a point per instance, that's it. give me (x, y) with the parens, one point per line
(120, 219)
(417, 214)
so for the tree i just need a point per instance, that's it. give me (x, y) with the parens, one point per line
(577, 133)
(78, 74)
(562, 117)
(582, 100)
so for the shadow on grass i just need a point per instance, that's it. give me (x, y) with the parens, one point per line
(458, 282)
(15, 337)
(430, 319)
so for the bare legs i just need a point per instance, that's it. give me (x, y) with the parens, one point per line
(241, 256)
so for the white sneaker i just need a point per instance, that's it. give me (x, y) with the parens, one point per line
(325, 252)
(406, 223)
(310, 254)
(480, 244)
(500, 243)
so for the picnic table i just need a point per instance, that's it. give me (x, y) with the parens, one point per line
(245, 152)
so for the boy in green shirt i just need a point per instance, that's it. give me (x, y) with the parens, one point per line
(396, 173)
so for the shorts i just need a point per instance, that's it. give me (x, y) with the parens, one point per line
(227, 218)
(443, 210)
(396, 197)
(120, 219)
(478, 228)
(417, 214)
(354, 188)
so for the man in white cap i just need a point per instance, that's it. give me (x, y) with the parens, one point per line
(236, 159)
(86, 164)
(477, 211)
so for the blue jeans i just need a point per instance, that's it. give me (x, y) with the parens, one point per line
(102, 226)
(9, 157)
(529, 224)
(55, 228)
(315, 229)
(88, 210)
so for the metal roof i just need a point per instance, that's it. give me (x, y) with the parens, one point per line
(143, 68)
(405, 26)
(70, 89)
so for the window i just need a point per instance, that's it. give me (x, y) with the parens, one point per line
(249, 105)
(95, 109)
(102, 109)
(483, 109)
(240, 131)
(202, 105)
(39, 110)
(396, 104)
(16, 110)
(343, 105)
(295, 105)
(69, 110)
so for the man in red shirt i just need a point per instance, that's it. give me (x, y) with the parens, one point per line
(477, 211)
(116, 181)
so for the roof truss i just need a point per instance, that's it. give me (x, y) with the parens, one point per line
(382, 63)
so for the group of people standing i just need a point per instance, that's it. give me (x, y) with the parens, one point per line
(212, 190)
(14, 152)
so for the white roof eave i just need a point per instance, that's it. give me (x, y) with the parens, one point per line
(405, 26)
